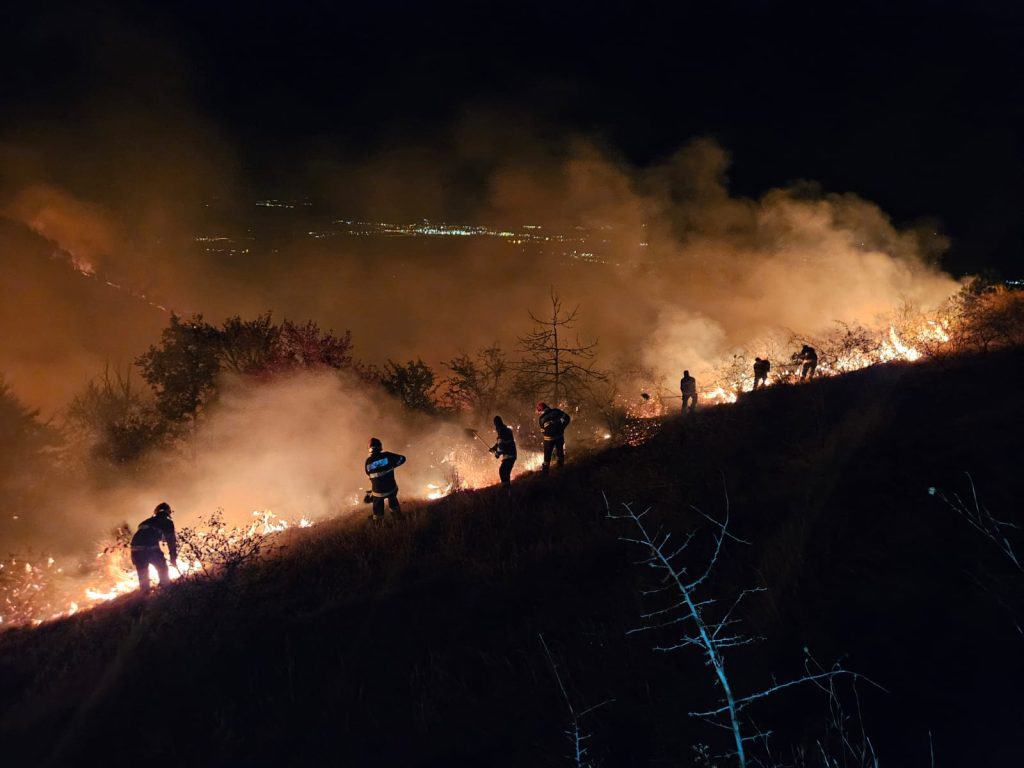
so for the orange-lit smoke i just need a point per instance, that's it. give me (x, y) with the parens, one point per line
(690, 274)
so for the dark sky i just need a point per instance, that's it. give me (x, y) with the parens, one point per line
(916, 106)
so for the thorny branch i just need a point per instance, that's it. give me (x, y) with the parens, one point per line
(690, 609)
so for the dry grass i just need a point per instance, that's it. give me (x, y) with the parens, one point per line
(416, 644)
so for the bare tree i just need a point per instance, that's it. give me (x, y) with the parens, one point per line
(705, 624)
(576, 734)
(555, 363)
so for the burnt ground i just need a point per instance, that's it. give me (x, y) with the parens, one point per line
(418, 645)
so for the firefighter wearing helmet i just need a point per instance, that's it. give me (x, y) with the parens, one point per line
(761, 368)
(380, 468)
(809, 357)
(504, 450)
(553, 422)
(688, 389)
(146, 550)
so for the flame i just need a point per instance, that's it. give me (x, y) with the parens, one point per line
(935, 330)
(467, 468)
(82, 264)
(895, 349)
(917, 340)
(719, 395)
(436, 491)
(34, 593)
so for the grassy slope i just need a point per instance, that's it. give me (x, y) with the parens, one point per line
(418, 645)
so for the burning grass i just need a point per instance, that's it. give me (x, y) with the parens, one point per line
(37, 588)
(415, 644)
(34, 590)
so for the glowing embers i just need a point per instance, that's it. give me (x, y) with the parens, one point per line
(469, 468)
(34, 592)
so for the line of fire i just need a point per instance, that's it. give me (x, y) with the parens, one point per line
(512, 384)
(38, 588)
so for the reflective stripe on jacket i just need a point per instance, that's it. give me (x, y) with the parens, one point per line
(505, 448)
(380, 468)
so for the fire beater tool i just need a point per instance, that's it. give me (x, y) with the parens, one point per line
(476, 435)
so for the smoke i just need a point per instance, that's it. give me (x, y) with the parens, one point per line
(690, 271)
(294, 446)
(683, 273)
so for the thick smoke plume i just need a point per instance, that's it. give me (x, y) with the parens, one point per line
(685, 274)
(294, 446)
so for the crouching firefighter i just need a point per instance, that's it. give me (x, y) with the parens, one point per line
(505, 451)
(380, 468)
(146, 546)
(688, 389)
(809, 357)
(553, 422)
(761, 368)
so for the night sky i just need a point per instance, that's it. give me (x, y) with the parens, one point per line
(916, 106)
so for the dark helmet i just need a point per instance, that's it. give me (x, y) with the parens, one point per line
(541, 407)
(163, 509)
(498, 423)
(685, 374)
(375, 444)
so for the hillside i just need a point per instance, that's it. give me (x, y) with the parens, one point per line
(418, 645)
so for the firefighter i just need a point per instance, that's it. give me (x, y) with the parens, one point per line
(809, 357)
(761, 368)
(146, 546)
(688, 388)
(380, 468)
(505, 450)
(553, 422)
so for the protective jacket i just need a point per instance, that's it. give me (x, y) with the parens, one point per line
(380, 468)
(152, 531)
(762, 368)
(688, 385)
(553, 422)
(505, 448)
